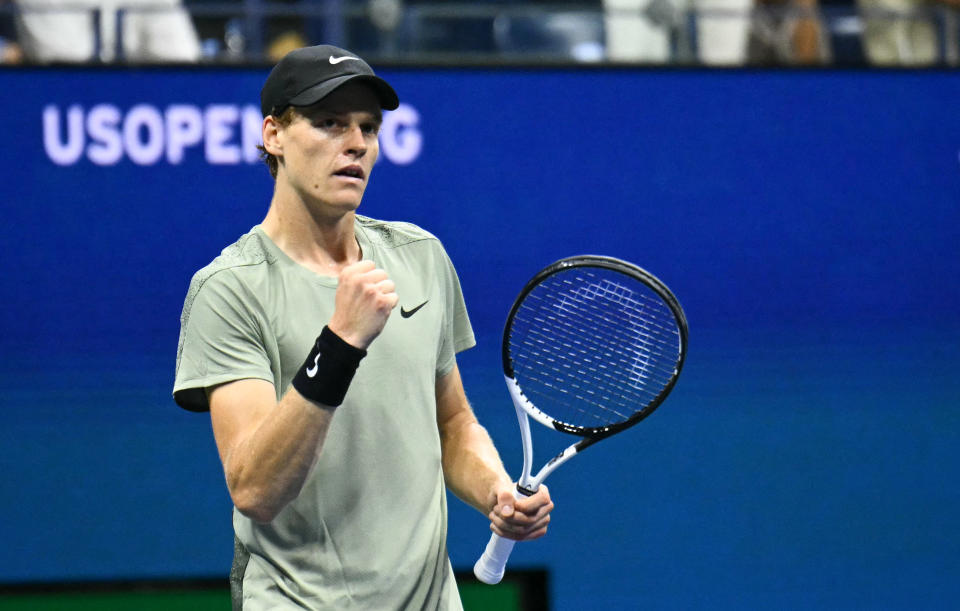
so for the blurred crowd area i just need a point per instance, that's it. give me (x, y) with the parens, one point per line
(652, 32)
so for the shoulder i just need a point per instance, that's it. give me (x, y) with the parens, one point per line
(247, 253)
(395, 234)
(228, 272)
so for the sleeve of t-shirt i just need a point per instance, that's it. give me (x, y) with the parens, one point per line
(220, 339)
(457, 334)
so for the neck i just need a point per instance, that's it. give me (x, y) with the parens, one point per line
(324, 244)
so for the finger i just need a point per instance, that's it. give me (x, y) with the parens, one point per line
(533, 532)
(386, 286)
(532, 504)
(372, 276)
(360, 267)
(520, 533)
(519, 521)
(533, 508)
(505, 502)
(522, 512)
(542, 495)
(517, 524)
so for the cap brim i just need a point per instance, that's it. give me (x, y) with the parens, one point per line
(385, 93)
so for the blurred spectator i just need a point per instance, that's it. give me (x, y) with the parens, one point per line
(634, 34)
(283, 44)
(643, 30)
(901, 32)
(86, 30)
(722, 30)
(10, 52)
(788, 32)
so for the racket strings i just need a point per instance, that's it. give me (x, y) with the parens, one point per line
(593, 382)
(592, 350)
(597, 370)
(642, 326)
(635, 310)
(634, 307)
(591, 393)
(636, 340)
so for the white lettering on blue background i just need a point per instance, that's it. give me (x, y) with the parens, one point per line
(60, 152)
(227, 134)
(143, 134)
(184, 129)
(103, 127)
(400, 138)
(220, 146)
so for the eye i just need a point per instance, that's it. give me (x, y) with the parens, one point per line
(370, 128)
(326, 122)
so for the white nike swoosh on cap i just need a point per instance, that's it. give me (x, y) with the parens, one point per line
(337, 60)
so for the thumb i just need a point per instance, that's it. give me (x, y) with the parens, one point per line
(505, 500)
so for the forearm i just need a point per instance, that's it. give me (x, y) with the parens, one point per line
(471, 465)
(474, 472)
(476, 475)
(268, 465)
(277, 457)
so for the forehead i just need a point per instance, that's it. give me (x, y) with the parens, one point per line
(351, 97)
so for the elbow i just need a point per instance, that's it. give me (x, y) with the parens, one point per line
(260, 496)
(256, 504)
(255, 507)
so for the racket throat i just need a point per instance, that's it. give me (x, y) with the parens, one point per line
(524, 491)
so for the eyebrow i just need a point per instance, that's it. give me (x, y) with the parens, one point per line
(377, 115)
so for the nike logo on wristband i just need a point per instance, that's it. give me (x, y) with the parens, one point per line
(312, 371)
(408, 313)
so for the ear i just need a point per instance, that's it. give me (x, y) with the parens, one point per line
(270, 131)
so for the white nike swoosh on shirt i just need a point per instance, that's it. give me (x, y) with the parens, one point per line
(337, 60)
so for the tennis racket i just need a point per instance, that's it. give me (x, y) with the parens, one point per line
(592, 346)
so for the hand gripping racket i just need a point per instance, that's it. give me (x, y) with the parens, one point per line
(592, 345)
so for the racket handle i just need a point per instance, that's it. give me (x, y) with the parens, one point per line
(492, 564)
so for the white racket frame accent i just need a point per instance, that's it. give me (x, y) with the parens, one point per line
(493, 562)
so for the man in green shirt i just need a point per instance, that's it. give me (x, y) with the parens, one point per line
(337, 467)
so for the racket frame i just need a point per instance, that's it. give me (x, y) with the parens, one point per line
(491, 565)
(593, 434)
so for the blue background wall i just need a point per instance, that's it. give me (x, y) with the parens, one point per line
(808, 222)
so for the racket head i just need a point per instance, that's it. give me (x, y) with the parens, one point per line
(595, 344)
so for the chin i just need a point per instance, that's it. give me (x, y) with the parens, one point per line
(345, 205)
(342, 201)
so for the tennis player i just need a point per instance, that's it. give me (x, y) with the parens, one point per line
(339, 417)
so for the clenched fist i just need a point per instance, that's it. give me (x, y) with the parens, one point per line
(365, 297)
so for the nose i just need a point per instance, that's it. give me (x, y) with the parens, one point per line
(356, 142)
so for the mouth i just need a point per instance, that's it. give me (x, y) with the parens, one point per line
(351, 171)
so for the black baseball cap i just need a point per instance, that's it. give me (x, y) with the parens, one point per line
(307, 75)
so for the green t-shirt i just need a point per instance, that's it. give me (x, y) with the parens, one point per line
(368, 530)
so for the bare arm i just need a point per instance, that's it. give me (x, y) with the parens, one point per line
(268, 448)
(474, 472)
